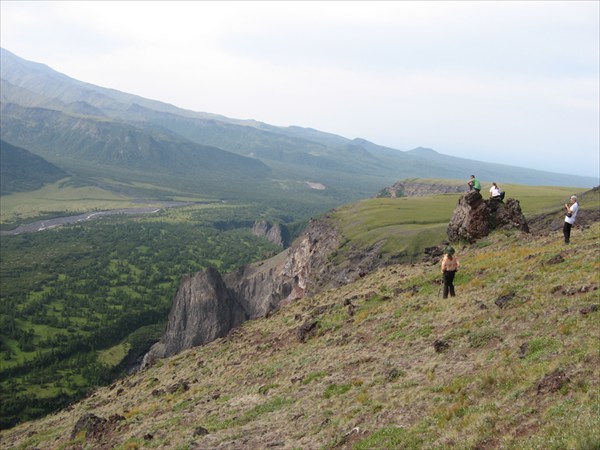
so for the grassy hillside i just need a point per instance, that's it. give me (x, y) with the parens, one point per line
(407, 225)
(512, 362)
(21, 170)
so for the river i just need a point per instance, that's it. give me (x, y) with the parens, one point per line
(46, 224)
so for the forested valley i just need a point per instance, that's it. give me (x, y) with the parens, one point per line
(77, 300)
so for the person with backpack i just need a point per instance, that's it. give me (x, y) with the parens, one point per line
(570, 218)
(496, 193)
(474, 184)
(450, 265)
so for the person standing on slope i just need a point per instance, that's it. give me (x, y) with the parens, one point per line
(450, 265)
(570, 218)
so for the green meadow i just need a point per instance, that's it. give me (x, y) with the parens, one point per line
(61, 198)
(68, 197)
(406, 225)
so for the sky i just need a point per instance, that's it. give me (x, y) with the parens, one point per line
(510, 82)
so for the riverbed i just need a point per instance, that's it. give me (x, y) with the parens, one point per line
(47, 224)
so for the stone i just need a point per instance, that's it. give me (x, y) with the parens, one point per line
(440, 345)
(470, 219)
(552, 382)
(588, 309)
(503, 300)
(306, 330)
(200, 431)
(474, 218)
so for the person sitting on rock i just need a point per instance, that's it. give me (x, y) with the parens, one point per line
(474, 184)
(495, 193)
(450, 265)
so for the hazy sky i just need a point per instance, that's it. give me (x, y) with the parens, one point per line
(513, 82)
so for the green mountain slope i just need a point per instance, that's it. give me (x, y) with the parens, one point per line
(348, 167)
(68, 139)
(511, 362)
(21, 170)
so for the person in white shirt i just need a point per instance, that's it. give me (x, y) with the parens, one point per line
(570, 218)
(495, 192)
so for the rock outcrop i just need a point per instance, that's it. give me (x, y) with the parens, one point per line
(410, 188)
(203, 304)
(474, 218)
(275, 233)
(207, 304)
(470, 220)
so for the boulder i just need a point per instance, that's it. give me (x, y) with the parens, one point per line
(474, 217)
(508, 215)
(470, 220)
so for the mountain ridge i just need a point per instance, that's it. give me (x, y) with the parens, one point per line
(21, 170)
(294, 153)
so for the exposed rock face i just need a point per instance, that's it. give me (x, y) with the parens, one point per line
(508, 215)
(474, 218)
(408, 188)
(275, 233)
(202, 304)
(208, 305)
(470, 220)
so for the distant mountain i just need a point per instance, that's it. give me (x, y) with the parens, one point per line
(21, 170)
(96, 131)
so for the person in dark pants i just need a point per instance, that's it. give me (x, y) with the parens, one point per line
(570, 218)
(450, 265)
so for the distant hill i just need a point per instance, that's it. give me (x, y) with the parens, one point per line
(96, 131)
(21, 170)
(64, 137)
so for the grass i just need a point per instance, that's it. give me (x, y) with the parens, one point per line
(111, 357)
(391, 437)
(406, 225)
(62, 198)
(352, 385)
(377, 372)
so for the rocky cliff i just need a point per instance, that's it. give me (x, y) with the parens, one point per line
(413, 188)
(275, 233)
(207, 304)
